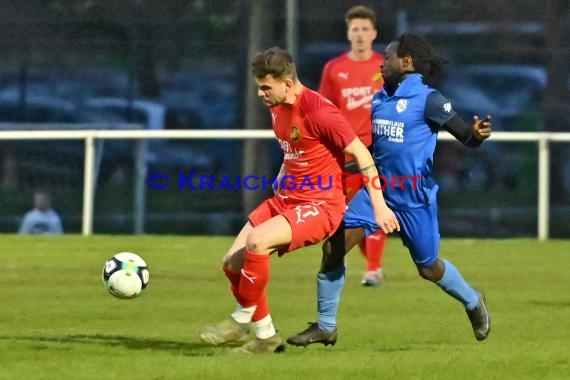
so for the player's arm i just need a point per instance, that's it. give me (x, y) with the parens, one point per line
(440, 114)
(385, 218)
(329, 124)
(471, 136)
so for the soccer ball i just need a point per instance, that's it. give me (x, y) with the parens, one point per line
(125, 275)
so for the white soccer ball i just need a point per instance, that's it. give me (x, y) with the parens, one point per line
(125, 275)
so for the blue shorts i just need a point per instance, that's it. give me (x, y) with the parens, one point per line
(419, 228)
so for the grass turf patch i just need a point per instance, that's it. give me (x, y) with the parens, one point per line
(57, 320)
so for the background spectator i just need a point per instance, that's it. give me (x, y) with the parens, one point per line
(42, 219)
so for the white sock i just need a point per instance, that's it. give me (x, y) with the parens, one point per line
(264, 328)
(243, 314)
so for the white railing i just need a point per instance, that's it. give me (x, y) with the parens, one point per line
(542, 138)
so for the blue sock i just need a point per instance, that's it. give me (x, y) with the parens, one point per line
(453, 284)
(329, 287)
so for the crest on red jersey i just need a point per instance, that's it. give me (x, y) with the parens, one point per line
(295, 134)
(377, 77)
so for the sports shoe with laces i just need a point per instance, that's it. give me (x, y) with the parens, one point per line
(480, 318)
(313, 334)
(270, 345)
(229, 330)
(373, 278)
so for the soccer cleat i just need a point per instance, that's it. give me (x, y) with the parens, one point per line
(373, 278)
(480, 318)
(226, 331)
(270, 345)
(313, 334)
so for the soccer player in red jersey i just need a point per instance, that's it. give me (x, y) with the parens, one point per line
(349, 81)
(307, 207)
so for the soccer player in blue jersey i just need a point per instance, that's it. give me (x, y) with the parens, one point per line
(406, 116)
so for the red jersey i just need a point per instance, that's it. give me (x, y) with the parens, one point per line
(350, 85)
(312, 133)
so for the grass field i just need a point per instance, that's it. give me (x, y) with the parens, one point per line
(58, 322)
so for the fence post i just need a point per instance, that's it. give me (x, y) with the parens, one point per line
(88, 185)
(139, 206)
(543, 185)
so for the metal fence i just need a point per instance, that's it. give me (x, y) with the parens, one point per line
(91, 136)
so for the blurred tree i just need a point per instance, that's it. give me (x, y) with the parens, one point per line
(260, 37)
(556, 106)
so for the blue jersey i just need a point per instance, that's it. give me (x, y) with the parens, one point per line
(404, 136)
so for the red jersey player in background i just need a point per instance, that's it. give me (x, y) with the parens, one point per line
(349, 81)
(307, 206)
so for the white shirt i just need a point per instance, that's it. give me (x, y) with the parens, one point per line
(41, 222)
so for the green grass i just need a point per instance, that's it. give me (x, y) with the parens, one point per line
(58, 322)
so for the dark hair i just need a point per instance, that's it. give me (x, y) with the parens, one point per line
(426, 60)
(275, 62)
(360, 11)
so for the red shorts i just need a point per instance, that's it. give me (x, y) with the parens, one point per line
(311, 222)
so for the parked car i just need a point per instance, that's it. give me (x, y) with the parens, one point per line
(512, 95)
(210, 98)
(162, 154)
(205, 99)
(469, 99)
(49, 161)
(71, 86)
(517, 90)
(46, 109)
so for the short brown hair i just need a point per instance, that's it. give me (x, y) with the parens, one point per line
(360, 11)
(275, 62)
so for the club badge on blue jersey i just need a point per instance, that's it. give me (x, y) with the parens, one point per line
(401, 105)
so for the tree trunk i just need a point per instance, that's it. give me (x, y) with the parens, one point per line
(555, 105)
(256, 152)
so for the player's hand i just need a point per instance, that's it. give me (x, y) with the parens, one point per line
(482, 127)
(387, 221)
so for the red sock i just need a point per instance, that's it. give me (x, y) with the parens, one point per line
(262, 309)
(373, 249)
(234, 278)
(254, 278)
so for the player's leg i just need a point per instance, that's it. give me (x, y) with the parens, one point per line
(358, 220)
(309, 223)
(236, 326)
(330, 282)
(265, 238)
(447, 277)
(373, 249)
(245, 260)
(420, 234)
